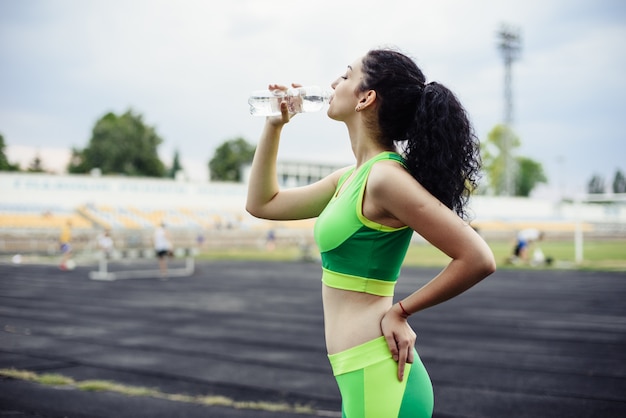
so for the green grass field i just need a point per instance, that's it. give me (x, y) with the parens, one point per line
(597, 255)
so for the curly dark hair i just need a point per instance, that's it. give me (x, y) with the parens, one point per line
(429, 125)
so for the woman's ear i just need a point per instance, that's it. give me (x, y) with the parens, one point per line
(368, 99)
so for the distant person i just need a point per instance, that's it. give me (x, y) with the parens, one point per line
(65, 245)
(105, 243)
(270, 240)
(524, 240)
(416, 161)
(162, 247)
(200, 239)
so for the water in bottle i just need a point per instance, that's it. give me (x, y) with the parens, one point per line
(299, 100)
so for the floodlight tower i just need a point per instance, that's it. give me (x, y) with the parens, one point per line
(509, 45)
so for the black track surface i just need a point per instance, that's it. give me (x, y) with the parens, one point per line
(520, 344)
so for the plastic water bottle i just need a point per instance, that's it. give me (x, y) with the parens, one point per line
(299, 100)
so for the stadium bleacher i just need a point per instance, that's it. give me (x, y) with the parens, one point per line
(35, 206)
(39, 217)
(114, 217)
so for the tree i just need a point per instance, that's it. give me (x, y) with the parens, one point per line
(527, 172)
(619, 182)
(229, 158)
(529, 175)
(492, 153)
(595, 185)
(120, 145)
(36, 165)
(176, 166)
(5, 165)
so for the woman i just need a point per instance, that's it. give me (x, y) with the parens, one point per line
(367, 214)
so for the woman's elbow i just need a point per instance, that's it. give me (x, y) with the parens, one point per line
(253, 210)
(487, 264)
(260, 211)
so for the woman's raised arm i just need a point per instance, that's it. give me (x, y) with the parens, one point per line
(265, 198)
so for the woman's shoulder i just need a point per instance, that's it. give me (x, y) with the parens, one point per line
(388, 171)
(390, 178)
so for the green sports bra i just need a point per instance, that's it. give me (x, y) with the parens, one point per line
(358, 254)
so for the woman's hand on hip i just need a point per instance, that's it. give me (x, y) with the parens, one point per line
(400, 338)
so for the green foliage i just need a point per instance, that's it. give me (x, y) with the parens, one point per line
(529, 175)
(5, 165)
(595, 185)
(619, 182)
(120, 145)
(492, 153)
(36, 165)
(176, 166)
(229, 158)
(527, 172)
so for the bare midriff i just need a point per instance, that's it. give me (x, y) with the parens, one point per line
(351, 318)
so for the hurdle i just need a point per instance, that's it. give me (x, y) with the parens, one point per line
(104, 274)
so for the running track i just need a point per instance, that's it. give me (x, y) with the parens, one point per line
(523, 343)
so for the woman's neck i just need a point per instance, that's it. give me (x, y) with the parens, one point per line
(364, 145)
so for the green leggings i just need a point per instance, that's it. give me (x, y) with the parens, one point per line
(367, 377)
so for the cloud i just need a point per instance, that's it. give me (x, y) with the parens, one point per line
(188, 67)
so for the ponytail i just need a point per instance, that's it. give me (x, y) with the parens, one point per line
(441, 150)
(429, 124)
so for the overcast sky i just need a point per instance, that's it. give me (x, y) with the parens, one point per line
(188, 67)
